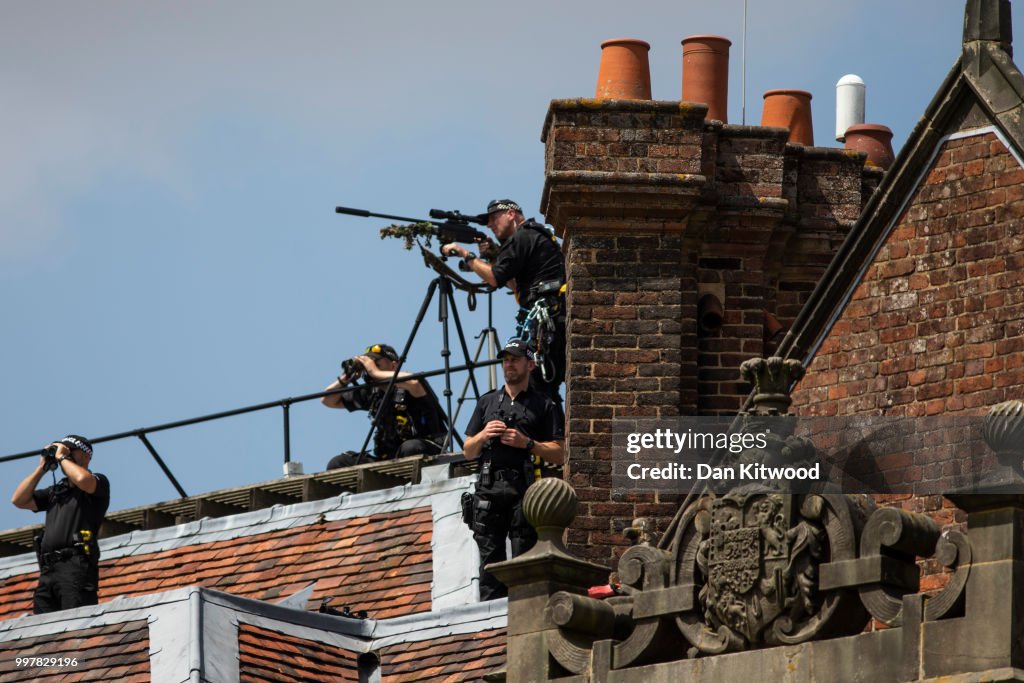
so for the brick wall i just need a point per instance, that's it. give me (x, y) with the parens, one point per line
(621, 183)
(936, 326)
(733, 244)
(659, 208)
(625, 359)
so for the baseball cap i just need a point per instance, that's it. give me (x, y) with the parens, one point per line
(503, 205)
(382, 351)
(74, 441)
(516, 347)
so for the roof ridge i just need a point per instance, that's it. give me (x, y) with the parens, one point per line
(288, 491)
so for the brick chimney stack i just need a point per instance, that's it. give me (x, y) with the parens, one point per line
(659, 208)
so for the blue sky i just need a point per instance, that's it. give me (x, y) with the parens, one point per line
(168, 241)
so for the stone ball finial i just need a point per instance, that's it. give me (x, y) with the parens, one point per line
(550, 506)
(1003, 429)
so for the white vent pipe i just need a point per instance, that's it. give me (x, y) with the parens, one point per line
(849, 104)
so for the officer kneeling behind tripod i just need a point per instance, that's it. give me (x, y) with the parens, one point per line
(68, 551)
(410, 422)
(507, 427)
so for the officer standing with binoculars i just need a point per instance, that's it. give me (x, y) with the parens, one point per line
(68, 551)
(508, 428)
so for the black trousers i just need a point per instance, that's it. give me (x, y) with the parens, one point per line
(497, 515)
(66, 584)
(410, 447)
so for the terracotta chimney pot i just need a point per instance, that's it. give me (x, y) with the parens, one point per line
(706, 73)
(625, 73)
(874, 140)
(790, 109)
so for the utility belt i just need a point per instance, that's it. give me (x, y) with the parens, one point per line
(550, 294)
(51, 558)
(537, 322)
(527, 473)
(491, 472)
(81, 545)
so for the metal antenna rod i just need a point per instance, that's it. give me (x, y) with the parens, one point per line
(744, 114)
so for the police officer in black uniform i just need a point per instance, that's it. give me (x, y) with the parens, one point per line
(531, 262)
(412, 421)
(68, 550)
(509, 426)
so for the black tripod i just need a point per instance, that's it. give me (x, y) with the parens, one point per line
(446, 282)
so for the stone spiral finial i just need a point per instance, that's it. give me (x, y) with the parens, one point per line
(550, 506)
(1003, 429)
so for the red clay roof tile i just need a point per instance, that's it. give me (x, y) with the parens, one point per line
(261, 661)
(466, 657)
(117, 652)
(365, 562)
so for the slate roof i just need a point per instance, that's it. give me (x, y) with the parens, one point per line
(984, 88)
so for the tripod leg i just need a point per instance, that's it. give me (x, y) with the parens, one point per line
(465, 385)
(462, 340)
(442, 308)
(491, 335)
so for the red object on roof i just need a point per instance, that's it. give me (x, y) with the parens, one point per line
(601, 592)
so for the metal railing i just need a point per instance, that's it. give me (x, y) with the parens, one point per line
(284, 403)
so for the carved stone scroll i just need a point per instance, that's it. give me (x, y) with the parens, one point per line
(954, 552)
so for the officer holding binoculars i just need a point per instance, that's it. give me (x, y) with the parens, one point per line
(68, 551)
(410, 421)
(508, 427)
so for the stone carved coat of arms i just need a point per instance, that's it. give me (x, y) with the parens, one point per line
(748, 559)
